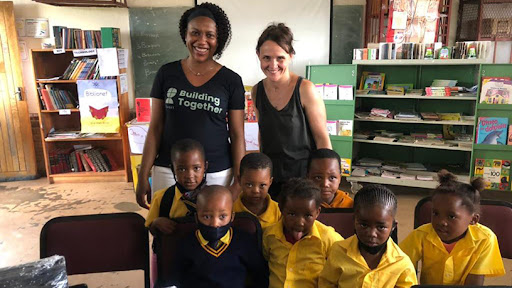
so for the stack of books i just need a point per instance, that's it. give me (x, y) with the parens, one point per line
(81, 159)
(83, 69)
(53, 98)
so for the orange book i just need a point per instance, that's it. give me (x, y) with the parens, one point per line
(365, 54)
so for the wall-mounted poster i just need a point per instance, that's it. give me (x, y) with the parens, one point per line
(99, 107)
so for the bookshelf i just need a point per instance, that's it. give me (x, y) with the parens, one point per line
(421, 73)
(46, 65)
(482, 151)
(340, 74)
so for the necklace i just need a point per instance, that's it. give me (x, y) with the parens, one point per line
(198, 73)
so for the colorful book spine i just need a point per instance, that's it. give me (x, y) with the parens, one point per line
(492, 130)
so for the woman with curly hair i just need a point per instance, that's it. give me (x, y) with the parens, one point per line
(192, 98)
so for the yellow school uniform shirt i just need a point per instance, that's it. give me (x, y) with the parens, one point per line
(340, 200)
(477, 253)
(178, 208)
(346, 267)
(297, 265)
(267, 218)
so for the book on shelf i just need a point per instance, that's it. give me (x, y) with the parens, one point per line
(429, 116)
(496, 173)
(332, 127)
(53, 98)
(77, 160)
(110, 37)
(345, 92)
(509, 142)
(492, 130)
(496, 90)
(345, 127)
(143, 110)
(346, 164)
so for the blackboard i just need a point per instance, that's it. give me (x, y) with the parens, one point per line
(156, 40)
(347, 32)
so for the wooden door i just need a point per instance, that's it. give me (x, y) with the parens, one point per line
(17, 156)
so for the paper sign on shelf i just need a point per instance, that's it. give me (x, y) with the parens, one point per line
(84, 52)
(20, 27)
(107, 59)
(122, 55)
(123, 82)
(64, 112)
(59, 51)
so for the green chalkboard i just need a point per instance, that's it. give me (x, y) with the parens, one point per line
(155, 40)
(347, 32)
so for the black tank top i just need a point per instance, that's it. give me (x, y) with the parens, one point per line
(285, 135)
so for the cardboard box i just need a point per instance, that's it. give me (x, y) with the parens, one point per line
(137, 133)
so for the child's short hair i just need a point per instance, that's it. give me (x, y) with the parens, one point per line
(209, 191)
(255, 161)
(299, 188)
(186, 145)
(375, 194)
(468, 193)
(324, 153)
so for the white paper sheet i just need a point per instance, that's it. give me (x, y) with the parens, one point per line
(251, 137)
(107, 59)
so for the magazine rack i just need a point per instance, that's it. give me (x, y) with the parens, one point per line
(48, 65)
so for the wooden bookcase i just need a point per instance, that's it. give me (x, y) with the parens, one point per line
(46, 65)
(420, 73)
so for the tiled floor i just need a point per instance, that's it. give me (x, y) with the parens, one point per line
(25, 206)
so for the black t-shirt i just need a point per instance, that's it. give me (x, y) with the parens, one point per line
(198, 112)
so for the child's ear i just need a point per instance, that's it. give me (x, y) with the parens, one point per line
(475, 219)
(205, 165)
(395, 224)
(232, 216)
(271, 179)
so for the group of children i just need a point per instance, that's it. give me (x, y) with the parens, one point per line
(299, 251)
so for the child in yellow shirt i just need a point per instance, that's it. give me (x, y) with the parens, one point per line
(370, 258)
(296, 246)
(189, 167)
(324, 168)
(255, 179)
(454, 249)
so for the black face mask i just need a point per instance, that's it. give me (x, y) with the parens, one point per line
(213, 234)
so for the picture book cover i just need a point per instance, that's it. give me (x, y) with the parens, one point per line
(345, 166)
(143, 109)
(496, 91)
(510, 135)
(332, 127)
(496, 173)
(345, 127)
(99, 106)
(492, 130)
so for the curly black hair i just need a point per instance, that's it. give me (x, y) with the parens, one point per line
(221, 21)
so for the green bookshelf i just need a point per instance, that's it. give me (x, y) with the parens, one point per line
(458, 159)
(340, 74)
(481, 151)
